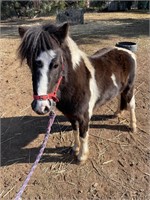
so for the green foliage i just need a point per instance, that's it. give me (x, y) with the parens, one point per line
(33, 8)
(13, 8)
(45, 8)
(143, 5)
(7, 9)
(81, 4)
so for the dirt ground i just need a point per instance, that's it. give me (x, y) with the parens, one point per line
(118, 167)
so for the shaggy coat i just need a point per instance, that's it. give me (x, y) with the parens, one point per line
(87, 80)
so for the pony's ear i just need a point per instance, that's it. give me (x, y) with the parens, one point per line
(22, 30)
(62, 31)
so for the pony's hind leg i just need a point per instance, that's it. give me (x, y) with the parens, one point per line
(131, 106)
(122, 105)
(128, 101)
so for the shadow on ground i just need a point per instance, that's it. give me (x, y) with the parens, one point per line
(104, 30)
(18, 132)
(101, 29)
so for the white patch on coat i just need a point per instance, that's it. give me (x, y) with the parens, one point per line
(75, 52)
(128, 51)
(132, 103)
(132, 114)
(84, 148)
(113, 77)
(92, 84)
(76, 55)
(46, 58)
(94, 95)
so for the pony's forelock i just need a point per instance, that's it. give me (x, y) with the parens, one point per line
(35, 40)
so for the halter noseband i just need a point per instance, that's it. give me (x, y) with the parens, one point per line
(52, 95)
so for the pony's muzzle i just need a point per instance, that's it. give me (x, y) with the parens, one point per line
(41, 107)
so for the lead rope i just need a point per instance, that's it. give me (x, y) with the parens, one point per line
(52, 116)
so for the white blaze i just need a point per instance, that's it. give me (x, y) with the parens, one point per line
(46, 58)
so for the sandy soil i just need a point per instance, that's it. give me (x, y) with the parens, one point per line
(118, 167)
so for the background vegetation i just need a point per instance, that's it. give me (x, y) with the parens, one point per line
(14, 8)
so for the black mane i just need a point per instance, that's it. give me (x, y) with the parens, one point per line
(37, 39)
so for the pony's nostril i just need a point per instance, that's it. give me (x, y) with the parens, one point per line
(39, 108)
(46, 110)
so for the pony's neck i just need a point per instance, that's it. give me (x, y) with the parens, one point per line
(78, 56)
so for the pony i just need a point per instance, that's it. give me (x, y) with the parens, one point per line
(74, 82)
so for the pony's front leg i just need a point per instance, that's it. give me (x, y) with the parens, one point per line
(76, 146)
(83, 132)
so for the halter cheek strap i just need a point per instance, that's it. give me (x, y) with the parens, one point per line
(52, 95)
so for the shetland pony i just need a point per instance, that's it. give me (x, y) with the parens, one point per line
(64, 75)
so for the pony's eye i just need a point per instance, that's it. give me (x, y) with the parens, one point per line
(55, 66)
(38, 63)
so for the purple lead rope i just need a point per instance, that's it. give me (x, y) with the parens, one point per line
(50, 123)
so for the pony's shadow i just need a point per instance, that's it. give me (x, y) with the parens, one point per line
(18, 132)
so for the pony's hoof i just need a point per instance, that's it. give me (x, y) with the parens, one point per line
(75, 149)
(74, 153)
(133, 129)
(81, 162)
(82, 158)
(118, 113)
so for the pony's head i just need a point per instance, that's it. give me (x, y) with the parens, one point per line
(41, 47)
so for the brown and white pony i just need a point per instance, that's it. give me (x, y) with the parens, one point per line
(63, 74)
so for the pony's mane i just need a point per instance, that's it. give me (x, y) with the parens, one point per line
(42, 38)
(36, 39)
